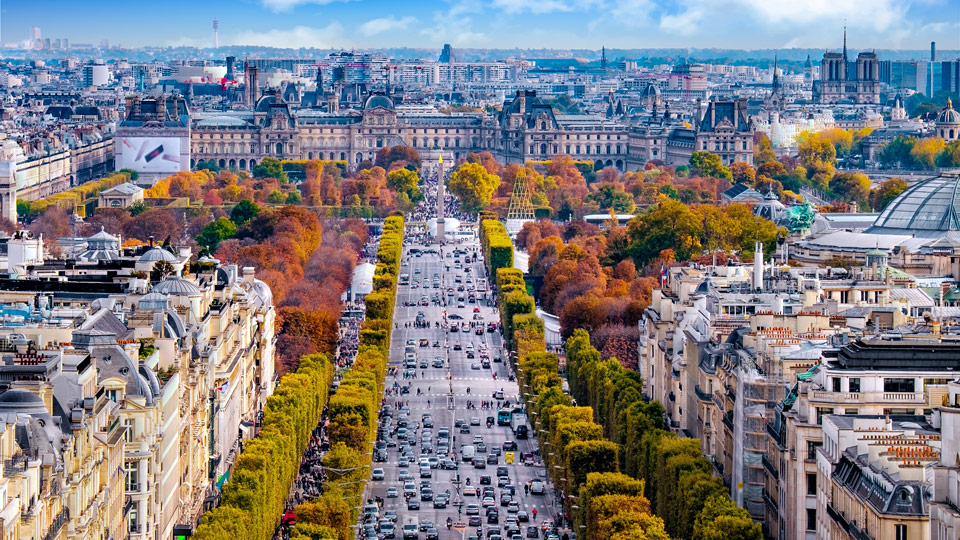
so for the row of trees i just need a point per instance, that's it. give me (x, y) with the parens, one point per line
(496, 245)
(254, 498)
(677, 479)
(909, 152)
(580, 459)
(354, 408)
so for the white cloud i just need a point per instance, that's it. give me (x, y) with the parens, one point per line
(385, 24)
(684, 23)
(540, 7)
(330, 36)
(287, 5)
(455, 26)
(879, 14)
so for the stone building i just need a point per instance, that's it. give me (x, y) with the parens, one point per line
(842, 81)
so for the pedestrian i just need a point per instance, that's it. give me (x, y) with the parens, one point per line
(534, 514)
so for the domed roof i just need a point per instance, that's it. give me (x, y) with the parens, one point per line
(176, 286)
(927, 209)
(21, 401)
(378, 100)
(651, 90)
(948, 115)
(157, 254)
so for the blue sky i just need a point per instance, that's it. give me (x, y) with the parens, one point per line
(746, 24)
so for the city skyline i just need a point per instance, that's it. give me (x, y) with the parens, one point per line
(498, 24)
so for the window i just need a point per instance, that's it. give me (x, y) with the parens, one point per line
(132, 469)
(112, 395)
(128, 434)
(894, 384)
(851, 411)
(812, 449)
(836, 384)
(811, 483)
(820, 412)
(900, 532)
(811, 519)
(854, 384)
(133, 522)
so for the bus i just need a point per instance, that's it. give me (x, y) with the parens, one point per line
(404, 279)
(504, 416)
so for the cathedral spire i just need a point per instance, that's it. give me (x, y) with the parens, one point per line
(776, 80)
(844, 43)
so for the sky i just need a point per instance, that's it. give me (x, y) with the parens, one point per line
(559, 24)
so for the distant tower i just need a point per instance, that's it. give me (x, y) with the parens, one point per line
(519, 211)
(216, 31)
(603, 58)
(776, 79)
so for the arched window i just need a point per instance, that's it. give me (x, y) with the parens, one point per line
(279, 149)
(243, 164)
(253, 163)
(233, 164)
(951, 134)
(543, 125)
(343, 156)
(223, 163)
(359, 157)
(309, 155)
(543, 148)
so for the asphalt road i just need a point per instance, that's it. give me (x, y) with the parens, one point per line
(446, 406)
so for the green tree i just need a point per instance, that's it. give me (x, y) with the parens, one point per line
(137, 208)
(897, 153)
(721, 519)
(405, 181)
(294, 198)
(276, 197)
(243, 212)
(473, 185)
(270, 167)
(215, 232)
(710, 164)
(950, 156)
(668, 225)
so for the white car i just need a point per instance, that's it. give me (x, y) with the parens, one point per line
(378, 474)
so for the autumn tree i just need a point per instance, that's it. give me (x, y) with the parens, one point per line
(743, 173)
(851, 187)
(670, 224)
(762, 149)
(473, 186)
(818, 156)
(924, 153)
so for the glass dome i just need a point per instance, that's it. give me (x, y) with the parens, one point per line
(927, 209)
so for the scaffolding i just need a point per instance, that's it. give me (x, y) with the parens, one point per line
(519, 211)
(757, 395)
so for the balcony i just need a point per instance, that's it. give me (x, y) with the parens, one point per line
(58, 523)
(704, 396)
(906, 398)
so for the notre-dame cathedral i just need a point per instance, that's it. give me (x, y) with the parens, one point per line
(843, 82)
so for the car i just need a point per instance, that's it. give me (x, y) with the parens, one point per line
(481, 447)
(502, 471)
(492, 459)
(475, 366)
(502, 481)
(472, 510)
(495, 450)
(523, 516)
(471, 355)
(437, 363)
(475, 421)
(485, 480)
(513, 507)
(505, 499)
(440, 502)
(474, 521)
(460, 305)
(536, 487)
(457, 347)
(405, 476)
(498, 394)
(413, 504)
(479, 463)
(424, 342)
(493, 517)
(391, 515)
(428, 422)
(509, 446)
(425, 472)
(432, 534)
(393, 492)
(478, 331)
(434, 462)
(448, 464)
(378, 474)
(411, 341)
(465, 428)
(485, 364)
(488, 501)
(425, 524)
(469, 491)
(426, 494)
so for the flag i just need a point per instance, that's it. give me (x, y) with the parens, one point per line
(663, 275)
